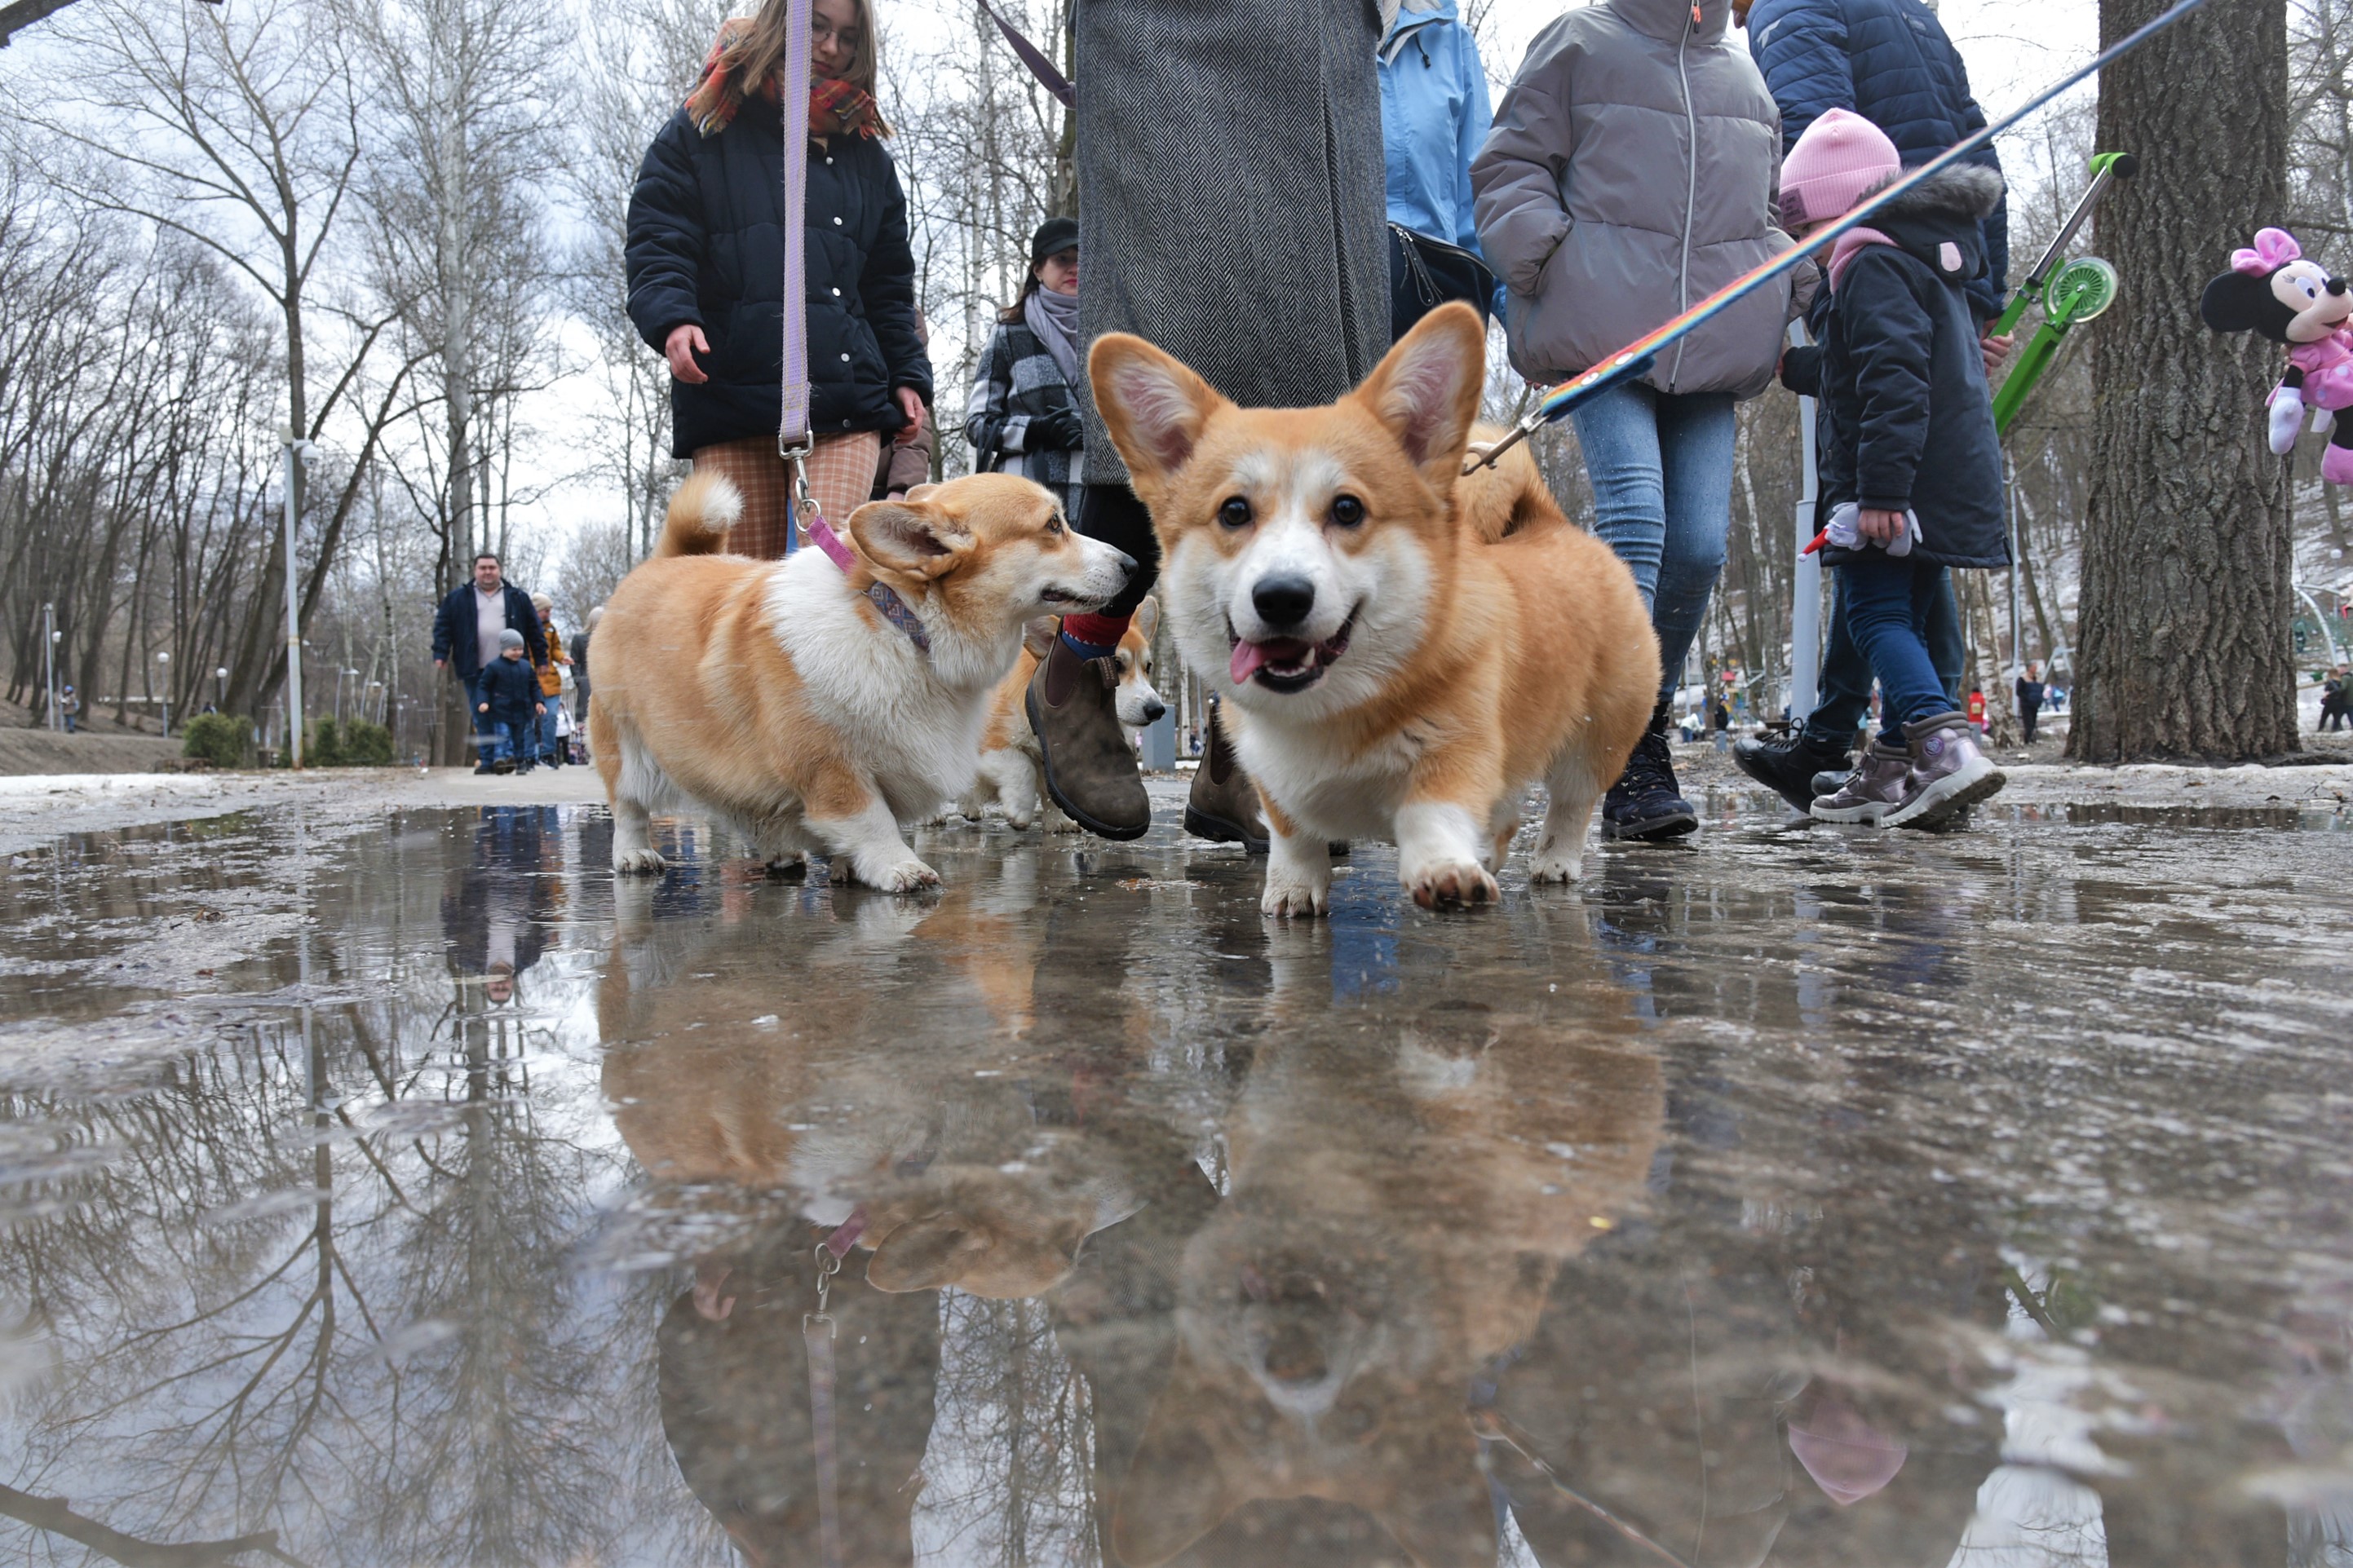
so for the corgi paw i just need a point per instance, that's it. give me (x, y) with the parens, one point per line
(907, 876)
(1451, 884)
(1562, 865)
(637, 862)
(1290, 896)
(1057, 821)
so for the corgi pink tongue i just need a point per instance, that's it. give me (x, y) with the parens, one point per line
(1249, 656)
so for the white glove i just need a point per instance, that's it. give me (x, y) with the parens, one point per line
(2287, 416)
(1846, 534)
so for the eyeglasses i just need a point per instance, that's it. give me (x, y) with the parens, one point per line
(824, 32)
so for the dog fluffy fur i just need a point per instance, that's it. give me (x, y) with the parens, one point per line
(1402, 650)
(1012, 767)
(777, 695)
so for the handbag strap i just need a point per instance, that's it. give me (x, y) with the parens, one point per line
(793, 426)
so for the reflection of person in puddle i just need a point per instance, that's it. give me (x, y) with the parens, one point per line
(494, 916)
(1393, 1219)
(735, 1371)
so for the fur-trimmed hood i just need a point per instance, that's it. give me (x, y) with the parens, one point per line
(1937, 223)
(1965, 191)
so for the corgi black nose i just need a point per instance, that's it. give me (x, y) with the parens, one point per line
(1153, 710)
(1283, 601)
(1126, 563)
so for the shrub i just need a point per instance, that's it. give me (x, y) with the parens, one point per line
(325, 747)
(366, 745)
(220, 738)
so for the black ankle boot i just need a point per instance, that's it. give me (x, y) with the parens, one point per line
(1643, 804)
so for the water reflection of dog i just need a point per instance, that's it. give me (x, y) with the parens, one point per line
(1393, 1218)
(848, 1078)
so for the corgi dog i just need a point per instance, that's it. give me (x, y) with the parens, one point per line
(813, 707)
(1012, 767)
(1402, 650)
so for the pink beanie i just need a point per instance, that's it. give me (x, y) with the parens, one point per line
(1835, 164)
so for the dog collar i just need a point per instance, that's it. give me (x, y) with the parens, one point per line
(879, 595)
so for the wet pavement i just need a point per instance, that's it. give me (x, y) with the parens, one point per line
(391, 1185)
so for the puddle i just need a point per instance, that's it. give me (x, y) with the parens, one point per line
(1803, 1199)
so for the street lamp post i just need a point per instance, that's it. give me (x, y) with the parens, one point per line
(49, 641)
(220, 687)
(296, 450)
(163, 658)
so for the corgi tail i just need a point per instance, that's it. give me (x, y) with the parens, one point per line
(1508, 499)
(700, 512)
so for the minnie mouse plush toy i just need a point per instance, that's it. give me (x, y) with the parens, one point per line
(2273, 289)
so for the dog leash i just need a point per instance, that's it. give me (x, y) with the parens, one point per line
(818, 1330)
(1030, 55)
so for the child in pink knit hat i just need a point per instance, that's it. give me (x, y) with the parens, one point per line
(1910, 465)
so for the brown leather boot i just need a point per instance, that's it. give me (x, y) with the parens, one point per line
(1224, 804)
(1090, 768)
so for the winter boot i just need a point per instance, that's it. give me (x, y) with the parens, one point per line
(1873, 790)
(1950, 772)
(1643, 804)
(1787, 764)
(1224, 803)
(1090, 773)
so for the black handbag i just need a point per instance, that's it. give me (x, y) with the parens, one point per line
(1427, 273)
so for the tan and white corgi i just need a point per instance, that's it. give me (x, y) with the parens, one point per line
(814, 707)
(1012, 767)
(1403, 651)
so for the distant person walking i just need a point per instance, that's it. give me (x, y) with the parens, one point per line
(580, 691)
(1630, 173)
(1891, 62)
(1023, 415)
(550, 670)
(2336, 700)
(509, 707)
(1434, 118)
(706, 268)
(69, 708)
(467, 631)
(2031, 694)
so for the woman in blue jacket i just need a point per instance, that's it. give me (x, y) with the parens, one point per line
(1434, 117)
(706, 268)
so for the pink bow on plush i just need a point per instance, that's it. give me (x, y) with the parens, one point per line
(2275, 248)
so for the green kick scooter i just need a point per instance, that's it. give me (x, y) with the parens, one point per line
(2070, 296)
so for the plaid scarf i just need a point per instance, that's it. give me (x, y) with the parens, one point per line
(834, 106)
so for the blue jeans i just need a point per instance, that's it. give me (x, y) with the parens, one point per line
(1845, 697)
(1888, 606)
(508, 739)
(1661, 465)
(549, 747)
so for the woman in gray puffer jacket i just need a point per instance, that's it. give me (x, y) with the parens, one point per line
(1630, 173)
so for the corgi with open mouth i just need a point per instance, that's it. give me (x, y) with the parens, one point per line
(1403, 649)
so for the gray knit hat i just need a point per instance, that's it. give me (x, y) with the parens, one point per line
(510, 639)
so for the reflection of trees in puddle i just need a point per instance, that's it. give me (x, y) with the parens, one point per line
(322, 1286)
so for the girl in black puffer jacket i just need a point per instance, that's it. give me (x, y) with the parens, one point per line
(706, 268)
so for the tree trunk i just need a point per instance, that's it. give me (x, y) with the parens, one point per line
(2187, 553)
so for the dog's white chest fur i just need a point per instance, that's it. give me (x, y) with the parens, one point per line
(915, 718)
(1331, 791)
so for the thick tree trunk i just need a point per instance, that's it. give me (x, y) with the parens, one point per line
(2187, 558)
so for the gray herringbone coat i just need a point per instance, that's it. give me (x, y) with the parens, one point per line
(1231, 193)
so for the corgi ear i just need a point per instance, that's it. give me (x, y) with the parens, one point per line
(924, 1255)
(923, 492)
(911, 537)
(1427, 391)
(1146, 619)
(1153, 405)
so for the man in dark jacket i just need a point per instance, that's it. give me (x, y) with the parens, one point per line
(466, 627)
(1891, 62)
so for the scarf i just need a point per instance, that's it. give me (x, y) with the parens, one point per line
(834, 106)
(1055, 319)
